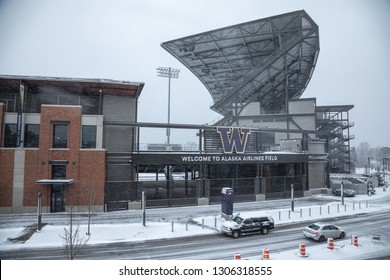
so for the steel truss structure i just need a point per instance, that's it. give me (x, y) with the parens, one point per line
(269, 61)
(334, 121)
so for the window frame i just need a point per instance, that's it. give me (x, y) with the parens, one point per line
(58, 145)
(14, 134)
(82, 137)
(27, 141)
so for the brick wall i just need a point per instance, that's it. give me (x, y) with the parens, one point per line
(92, 174)
(31, 189)
(6, 176)
(2, 109)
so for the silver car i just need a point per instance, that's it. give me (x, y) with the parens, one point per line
(322, 231)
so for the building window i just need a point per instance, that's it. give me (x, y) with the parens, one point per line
(31, 135)
(10, 135)
(58, 171)
(60, 135)
(88, 140)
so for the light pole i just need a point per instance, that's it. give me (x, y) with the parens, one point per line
(292, 197)
(369, 166)
(168, 72)
(39, 211)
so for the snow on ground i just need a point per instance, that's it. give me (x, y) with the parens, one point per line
(107, 233)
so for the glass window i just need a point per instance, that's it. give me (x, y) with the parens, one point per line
(31, 135)
(10, 135)
(88, 140)
(60, 135)
(58, 171)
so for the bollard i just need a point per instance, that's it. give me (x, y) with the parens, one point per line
(355, 240)
(289, 213)
(328, 209)
(320, 210)
(237, 256)
(202, 223)
(309, 211)
(265, 254)
(215, 221)
(376, 237)
(280, 215)
(345, 207)
(360, 205)
(302, 249)
(330, 243)
(172, 226)
(300, 212)
(353, 205)
(338, 208)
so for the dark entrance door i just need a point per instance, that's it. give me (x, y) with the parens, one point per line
(58, 198)
(58, 171)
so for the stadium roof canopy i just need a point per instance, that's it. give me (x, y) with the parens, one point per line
(269, 61)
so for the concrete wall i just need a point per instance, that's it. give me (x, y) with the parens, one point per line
(316, 175)
(317, 147)
(302, 106)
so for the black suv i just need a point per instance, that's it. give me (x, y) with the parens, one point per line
(247, 225)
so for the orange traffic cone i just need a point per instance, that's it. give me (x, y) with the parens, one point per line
(265, 254)
(302, 249)
(355, 240)
(330, 243)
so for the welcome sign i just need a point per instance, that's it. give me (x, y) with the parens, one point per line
(187, 158)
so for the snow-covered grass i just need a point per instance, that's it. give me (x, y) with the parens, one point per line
(107, 233)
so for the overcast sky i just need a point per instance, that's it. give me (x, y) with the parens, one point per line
(120, 40)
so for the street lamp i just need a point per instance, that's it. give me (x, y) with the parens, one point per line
(168, 72)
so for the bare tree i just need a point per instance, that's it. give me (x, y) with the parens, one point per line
(363, 152)
(73, 242)
(89, 200)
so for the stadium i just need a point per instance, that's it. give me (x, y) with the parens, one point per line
(77, 141)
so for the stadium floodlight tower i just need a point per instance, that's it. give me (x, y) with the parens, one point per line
(168, 72)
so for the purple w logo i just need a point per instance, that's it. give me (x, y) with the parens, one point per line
(233, 138)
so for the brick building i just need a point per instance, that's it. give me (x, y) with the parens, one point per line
(54, 140)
